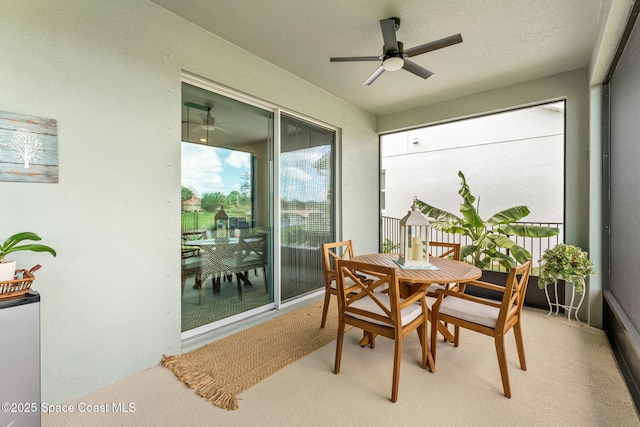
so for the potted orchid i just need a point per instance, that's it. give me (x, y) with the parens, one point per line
(565, 262)
(12, 244)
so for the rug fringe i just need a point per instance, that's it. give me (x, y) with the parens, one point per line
(203, 384)
(221, 398)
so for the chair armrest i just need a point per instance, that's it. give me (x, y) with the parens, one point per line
(413, 298)
(486, 285)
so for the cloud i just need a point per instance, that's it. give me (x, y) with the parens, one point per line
(201, 168)
(238, 160)
(291, 173)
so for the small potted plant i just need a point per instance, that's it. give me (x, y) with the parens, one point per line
(8, 268)
(566, 262)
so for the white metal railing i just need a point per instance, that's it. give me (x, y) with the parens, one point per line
(390, 239)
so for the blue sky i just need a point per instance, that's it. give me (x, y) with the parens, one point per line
(208, 169)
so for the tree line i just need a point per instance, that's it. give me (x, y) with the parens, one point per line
(212, 202)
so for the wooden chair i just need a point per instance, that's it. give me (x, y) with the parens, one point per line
(443, 250)
(194, 235)
(331, 252)
(191, 262)
(250, 254)
(190, 265)
(377, 313)
(492, 318)
(191, 251)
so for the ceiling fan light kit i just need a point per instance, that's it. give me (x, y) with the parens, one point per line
(394, 57)
(393, 63)
(210, 124)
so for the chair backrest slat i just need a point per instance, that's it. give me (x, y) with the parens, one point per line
(331, 252)
(194, 235)
(252, 247)
(515, 290)
(448, 250)
(368, 278)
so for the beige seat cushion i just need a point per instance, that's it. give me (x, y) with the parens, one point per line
(347, 282)
(470, 311)
(434, 287)
(408, 313)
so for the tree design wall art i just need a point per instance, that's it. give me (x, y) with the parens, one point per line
(28, 148)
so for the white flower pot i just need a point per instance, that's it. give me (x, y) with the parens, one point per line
(7, 270)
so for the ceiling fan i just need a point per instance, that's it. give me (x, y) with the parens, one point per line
(207, 120)
(394, 57)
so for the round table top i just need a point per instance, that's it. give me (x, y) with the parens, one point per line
(448, 270)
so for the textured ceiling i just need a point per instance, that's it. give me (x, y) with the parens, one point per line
(505, 42)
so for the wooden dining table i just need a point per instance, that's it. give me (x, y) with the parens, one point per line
(443, 271)
(215, 262)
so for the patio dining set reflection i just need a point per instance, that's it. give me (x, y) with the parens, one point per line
(221, 258)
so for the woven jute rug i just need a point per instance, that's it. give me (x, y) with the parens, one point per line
(223, 369)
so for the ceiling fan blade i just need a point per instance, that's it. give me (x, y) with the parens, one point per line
(388, 27)
(224, 130)
(196, 106)
(414, 68)
(374, 76)
(434, 45)
(356, 58)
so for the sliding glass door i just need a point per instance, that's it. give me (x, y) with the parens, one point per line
(227, 204)
(246, 165)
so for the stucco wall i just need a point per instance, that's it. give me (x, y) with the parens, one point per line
(110, 73)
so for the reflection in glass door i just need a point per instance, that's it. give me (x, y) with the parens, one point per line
(306, 203)
(226, 259)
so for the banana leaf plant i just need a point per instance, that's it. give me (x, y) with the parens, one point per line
(487, 237)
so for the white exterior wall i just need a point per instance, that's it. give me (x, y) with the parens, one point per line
(509, 159)
(109, 72)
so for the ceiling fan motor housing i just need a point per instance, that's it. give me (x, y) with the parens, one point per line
(397, 21)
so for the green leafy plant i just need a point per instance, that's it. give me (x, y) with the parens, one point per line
(487, 237)
(389, 247)
(565, 262)
(11, 245)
